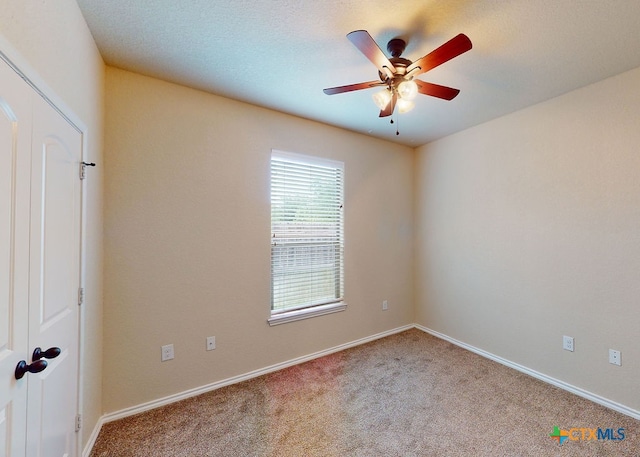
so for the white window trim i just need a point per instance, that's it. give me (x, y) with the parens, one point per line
(306, 313)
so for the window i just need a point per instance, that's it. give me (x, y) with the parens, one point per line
(307, 241)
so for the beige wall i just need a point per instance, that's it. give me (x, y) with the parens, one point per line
(528, 228)
(187, 238)
(50, 41)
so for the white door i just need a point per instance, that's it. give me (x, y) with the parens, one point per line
(54, 282)
(44, 277)
(15, 144)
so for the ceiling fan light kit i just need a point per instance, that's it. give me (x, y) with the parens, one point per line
(382, 98)
(398, 73)
(404, 106)
(408, 89)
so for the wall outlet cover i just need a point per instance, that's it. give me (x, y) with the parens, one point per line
(567, 343)
(615, 357)
(167, 352)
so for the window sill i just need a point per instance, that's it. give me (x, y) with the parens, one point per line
(306, 313)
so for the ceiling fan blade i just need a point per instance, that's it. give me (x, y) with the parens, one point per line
(435, 90)
(352, 87)
(452, 48)
(363, 41)
(388, 110)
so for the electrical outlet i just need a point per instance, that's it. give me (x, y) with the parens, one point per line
(614, 357)
(211, 343)
(167, 352)
(385, 305)
(567, 343)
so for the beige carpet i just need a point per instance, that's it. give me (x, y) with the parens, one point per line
(409, 394)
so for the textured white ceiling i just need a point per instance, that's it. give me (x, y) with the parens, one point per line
(280, 54)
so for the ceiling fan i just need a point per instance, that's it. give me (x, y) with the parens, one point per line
(398, 73)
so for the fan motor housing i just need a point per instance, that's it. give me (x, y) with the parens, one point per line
(400, 65)
(396, 47)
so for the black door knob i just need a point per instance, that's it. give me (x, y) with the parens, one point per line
(36, 367)
(50, 353)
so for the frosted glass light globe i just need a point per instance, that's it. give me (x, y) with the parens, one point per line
(408, 90)
(404, 106)
(382, 98)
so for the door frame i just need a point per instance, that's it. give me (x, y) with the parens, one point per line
(10, 56)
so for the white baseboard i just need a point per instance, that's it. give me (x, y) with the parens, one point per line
(244, 377)
(88, 447)
(270, 369)
(542, 377)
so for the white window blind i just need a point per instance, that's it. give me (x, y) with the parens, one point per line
(307, 241)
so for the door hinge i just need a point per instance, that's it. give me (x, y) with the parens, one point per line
(83, 168)
(78, 422)
(80, 296)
